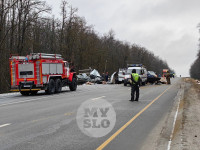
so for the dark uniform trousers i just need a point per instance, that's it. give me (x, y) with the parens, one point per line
(135, 89)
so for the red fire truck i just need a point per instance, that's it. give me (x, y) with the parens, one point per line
(40, 71)
(164, 74)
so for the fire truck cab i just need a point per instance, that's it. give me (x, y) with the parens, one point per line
(41, 71)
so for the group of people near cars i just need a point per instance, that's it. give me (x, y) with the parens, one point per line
(105, 76)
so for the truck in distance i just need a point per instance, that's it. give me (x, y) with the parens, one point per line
(40, 71)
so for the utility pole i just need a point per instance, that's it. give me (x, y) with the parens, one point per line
(105, 66)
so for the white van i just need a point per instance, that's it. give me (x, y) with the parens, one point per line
(121, 75)
(140, 69)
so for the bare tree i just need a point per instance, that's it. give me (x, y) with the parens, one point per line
(24, 29)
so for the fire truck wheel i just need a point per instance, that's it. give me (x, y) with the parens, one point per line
(73, 85)
(51, 87)
(58, 86)
(25, 93)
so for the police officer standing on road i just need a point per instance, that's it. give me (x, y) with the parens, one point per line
(135, 80)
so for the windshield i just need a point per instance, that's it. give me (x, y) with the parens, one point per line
(129, 71)
(152, 73)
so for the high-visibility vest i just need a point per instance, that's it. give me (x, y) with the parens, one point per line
(135, 77)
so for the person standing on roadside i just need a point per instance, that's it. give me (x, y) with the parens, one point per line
(135, 80)
(106, 76)
(168, 78)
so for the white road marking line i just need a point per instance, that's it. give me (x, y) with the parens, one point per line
(98, 98)
(7, 94)
(24, 101)
(4, 125)
(174, 123)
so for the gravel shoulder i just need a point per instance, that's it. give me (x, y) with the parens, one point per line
(179, 129)
(187, 135)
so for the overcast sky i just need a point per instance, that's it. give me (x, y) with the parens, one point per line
(168, 28)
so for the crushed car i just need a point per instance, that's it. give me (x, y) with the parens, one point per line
(96, 77)
(83, 78)
(89, 75)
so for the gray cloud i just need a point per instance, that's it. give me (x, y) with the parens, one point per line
(166, 27)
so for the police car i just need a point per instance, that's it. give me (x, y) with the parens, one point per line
(140, 69)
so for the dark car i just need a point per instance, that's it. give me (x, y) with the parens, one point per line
(152, 77)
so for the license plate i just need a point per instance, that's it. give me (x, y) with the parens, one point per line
(27, 85)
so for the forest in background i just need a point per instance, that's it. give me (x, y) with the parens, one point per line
(195, 67)
(27, 26)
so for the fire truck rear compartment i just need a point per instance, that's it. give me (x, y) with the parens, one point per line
(26, 70)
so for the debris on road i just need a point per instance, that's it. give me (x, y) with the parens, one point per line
(89, 83)
(198, 82)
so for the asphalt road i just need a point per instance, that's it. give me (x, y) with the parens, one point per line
(48, 122)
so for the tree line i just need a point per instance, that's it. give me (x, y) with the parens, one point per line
(195, 67)
(26, 26)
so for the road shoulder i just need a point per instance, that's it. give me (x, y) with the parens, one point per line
(160, 136)
(179, 129)
(188, 135)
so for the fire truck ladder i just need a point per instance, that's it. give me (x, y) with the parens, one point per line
(13, 74)
(45, 56)
(38, 72)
